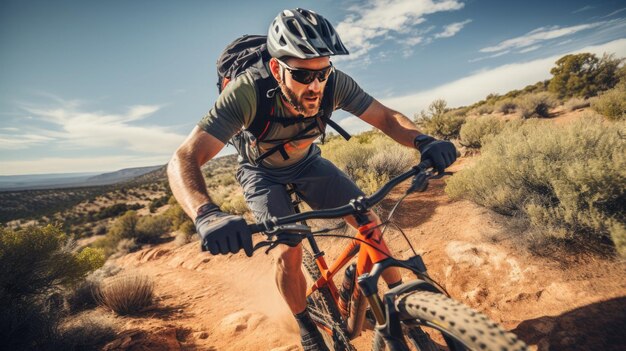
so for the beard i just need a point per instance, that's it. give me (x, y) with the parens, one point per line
(308, 108)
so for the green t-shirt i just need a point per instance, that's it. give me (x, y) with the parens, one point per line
(236, 106)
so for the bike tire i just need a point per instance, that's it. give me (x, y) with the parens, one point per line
(456, 321)
(415, 335)
(323, 301)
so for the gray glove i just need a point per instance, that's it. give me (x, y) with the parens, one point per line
(221, 232)
(441, 153)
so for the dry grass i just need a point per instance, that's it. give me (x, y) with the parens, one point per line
(126, 294)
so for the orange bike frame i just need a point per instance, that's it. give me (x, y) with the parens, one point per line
(372, 250)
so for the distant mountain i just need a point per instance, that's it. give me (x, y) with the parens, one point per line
(70, 180)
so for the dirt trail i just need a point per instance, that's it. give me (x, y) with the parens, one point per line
(231, 302)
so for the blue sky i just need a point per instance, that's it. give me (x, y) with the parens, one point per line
(88, 86)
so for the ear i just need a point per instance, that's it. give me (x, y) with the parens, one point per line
(275, 69)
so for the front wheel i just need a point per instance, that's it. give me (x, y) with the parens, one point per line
(462, 327)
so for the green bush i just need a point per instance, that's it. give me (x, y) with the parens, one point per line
(477, 130)
(584, 75)
(567, 181)
(611, 104)
(538, 104)
(370, 160)
(439, 121)
(37, 263)
(150, 228)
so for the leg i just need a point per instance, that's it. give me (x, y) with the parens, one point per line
(289, 277)
(267, 199)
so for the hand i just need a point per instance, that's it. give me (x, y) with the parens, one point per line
(222, 233)
(441, 153)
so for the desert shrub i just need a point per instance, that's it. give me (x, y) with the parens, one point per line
(575, 103)
(126, 246)
(82, 295)
(372, 162)
(506, 106)
(483, 109)
(150, 228)
(86, 332)
(187, 227)
(235, 203)
(100, 229)
(538, 104)
(182, 238)
(566, 181)
(477, 130)
(126, 294)
(124, 227)
(439, 122)
(611, 104)
(177, 217)
(37, 263)
(158, 202)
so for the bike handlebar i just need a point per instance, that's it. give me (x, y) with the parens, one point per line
(359, 205)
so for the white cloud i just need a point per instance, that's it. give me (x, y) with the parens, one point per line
(354, 125)
(538, 35)
(585, 8)
(529, 49)
(490, 56)
(21, 141)
(79, 129)
(498, 80)
(615, 12)
(451, 29)
(369, 23)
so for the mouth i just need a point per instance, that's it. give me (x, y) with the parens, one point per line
(311, 99)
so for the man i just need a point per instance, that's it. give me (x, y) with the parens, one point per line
(300, 43)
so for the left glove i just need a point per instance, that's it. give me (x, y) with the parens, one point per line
(442, 153)
(223, 233)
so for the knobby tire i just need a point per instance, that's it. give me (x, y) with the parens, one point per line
(323, 302)
(456, 321)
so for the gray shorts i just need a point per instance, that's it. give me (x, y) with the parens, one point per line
(318, 182)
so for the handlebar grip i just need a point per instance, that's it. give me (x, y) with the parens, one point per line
(256, 228)
(425, 164)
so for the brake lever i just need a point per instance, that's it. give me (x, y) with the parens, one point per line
(289, 239)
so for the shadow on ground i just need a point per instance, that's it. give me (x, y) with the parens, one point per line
(598, 326)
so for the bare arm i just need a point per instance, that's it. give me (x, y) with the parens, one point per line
(392, 123)
(183, 170)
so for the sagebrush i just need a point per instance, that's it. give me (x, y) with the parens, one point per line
(569, 182)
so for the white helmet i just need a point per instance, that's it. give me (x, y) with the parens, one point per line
(303, 34)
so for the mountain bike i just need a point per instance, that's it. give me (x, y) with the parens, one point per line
(400, 315)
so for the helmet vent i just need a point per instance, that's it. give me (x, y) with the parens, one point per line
(324, 51)
(305, 49)
(282, 41)
(294, 28)
(276, 29)
(324, 30)
(310, 32)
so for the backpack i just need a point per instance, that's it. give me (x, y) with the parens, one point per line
(249, 53)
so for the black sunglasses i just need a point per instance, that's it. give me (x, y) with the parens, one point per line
(306, 76)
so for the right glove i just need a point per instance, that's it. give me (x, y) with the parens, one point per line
(222, 233)
(441, 153)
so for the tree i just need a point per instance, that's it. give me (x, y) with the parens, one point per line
(584, 75)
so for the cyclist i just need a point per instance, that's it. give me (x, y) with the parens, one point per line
(300, 43)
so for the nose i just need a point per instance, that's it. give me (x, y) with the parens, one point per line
(315, 85)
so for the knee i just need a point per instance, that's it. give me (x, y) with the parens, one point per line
(288, 258)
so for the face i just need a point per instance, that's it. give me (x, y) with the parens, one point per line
(304, 98)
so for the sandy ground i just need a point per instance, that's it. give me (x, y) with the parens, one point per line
(231, 302)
